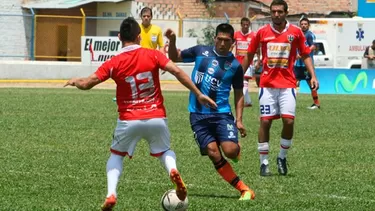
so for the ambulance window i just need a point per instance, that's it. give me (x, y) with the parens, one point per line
(319, 50)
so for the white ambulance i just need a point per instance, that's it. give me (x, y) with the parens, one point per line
(341, 42)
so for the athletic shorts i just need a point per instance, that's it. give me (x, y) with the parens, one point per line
(275, 103)
(301, 73)
(208, 128)
(128, 133)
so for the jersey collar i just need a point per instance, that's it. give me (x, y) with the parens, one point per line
(130, 48)
(229, 54)
(286, 28)
(246, 33)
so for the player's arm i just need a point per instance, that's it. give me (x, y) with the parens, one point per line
(102, 74)
(237, 84)
(188, 83)
(161, 42)
(251, 51)
(259, 61)
(173, 53)
(304, 51)
(311, 41)
(84, 83)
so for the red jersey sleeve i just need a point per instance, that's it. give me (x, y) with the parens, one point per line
(161, 59)
(254, 44)
(104, 72)
(303, 47)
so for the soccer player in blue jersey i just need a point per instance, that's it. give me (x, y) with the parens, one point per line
(300, 69)
(215, 72)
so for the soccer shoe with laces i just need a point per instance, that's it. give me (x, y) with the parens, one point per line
(181, 191)
(265, 170)
(247, 195)
(314, 106)
(282, 166)
(109, 203)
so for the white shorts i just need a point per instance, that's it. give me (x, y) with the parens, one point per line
(275, 103)
(249, 72)
(128, 133)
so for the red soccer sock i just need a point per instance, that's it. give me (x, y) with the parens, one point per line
(314, 95)
(227, 173)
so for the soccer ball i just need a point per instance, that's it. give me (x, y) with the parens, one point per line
(170, 202)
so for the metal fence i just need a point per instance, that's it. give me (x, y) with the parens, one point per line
(58, 38)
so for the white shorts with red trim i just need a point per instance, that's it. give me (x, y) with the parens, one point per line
(275, 103)
(128, 133)
(249, 72)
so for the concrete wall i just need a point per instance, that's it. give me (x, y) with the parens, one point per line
(39, 70)
(15, 31)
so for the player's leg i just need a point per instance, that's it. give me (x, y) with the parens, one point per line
(314, 94)
(125, 138)
(158, 136)
(227, 135)
(269, 110)
(248, 75)
(287, 100)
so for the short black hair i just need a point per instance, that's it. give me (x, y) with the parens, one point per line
(373, 42)
(225, 28)
(245, 19)
(304, 19)
(129, 30)
(145, 9)
(280, 2)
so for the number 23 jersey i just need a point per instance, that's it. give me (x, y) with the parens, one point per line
(136, 73)
(279, 52)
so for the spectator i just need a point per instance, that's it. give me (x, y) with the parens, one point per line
(370, 55)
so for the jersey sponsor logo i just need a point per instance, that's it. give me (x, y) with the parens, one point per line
(231, 135)
(198, 78)
(205, 53)
(227, 65)
(269, 38)
(242, 45)
(215, 63)
(278, 55)
(210, 70)
(213, 82)
(230, 127)
(154, 38)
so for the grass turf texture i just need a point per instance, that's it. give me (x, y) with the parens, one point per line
(55, 145)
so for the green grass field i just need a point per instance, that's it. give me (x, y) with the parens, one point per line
(55, 145)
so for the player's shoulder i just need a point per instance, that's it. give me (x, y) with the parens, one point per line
(155, 27)
(264, 28)
(203, 48)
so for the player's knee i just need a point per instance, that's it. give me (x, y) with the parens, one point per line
(230, 150)
(288, 122)
(265, 123)
(213, 152)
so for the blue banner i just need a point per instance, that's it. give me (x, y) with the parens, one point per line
(343, 81)
(366, 8)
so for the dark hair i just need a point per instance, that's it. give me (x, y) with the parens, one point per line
(245, 19)
(304, 19)
(145, 9)
(373, 42)
(280, 2)
(225, 28)
(129, 30)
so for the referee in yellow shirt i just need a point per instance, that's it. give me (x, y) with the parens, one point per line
(151, 35)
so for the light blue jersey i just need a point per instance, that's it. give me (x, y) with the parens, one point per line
(214, 75)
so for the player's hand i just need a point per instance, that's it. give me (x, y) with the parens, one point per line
(206, 101)
(71, 82)
(241, 128)
(314, 84)
(170, 35)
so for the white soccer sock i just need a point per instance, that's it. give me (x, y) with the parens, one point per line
(246, 95)
(168, 159)
(284, 146)
(263, 149)
(114, 170)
